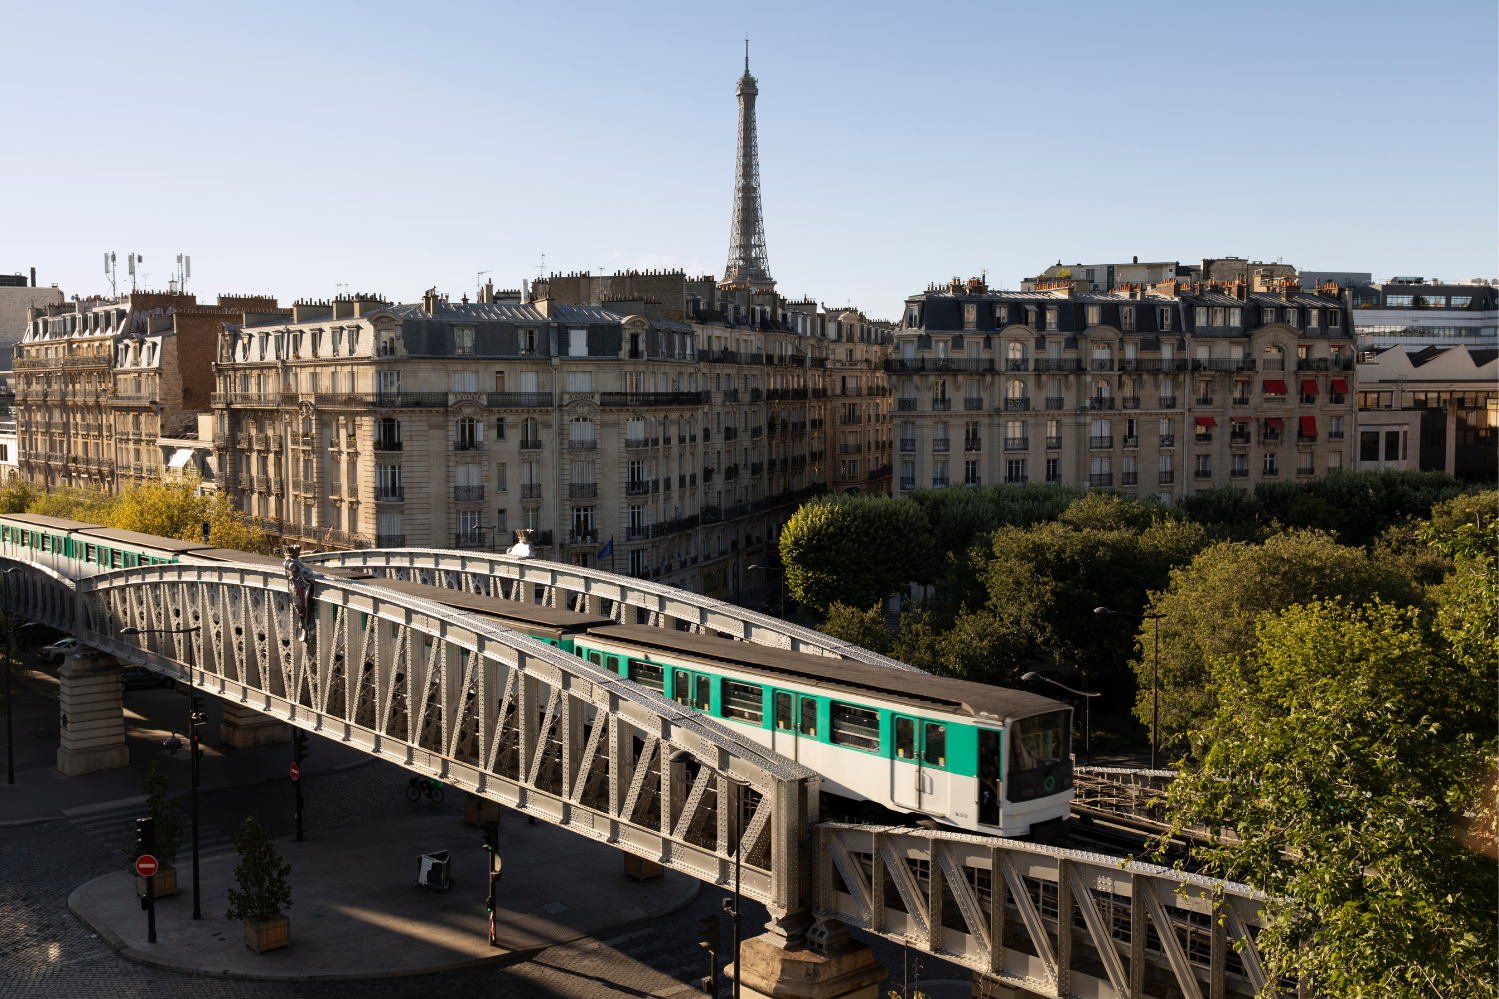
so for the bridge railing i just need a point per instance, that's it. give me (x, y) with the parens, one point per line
(1054, 921)
(498, 575)
(457, 697)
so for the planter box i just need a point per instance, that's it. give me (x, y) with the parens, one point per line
(641, 869)
(477, 813)
(262, 935)
(164, 882)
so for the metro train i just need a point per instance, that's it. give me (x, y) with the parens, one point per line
(890, 745)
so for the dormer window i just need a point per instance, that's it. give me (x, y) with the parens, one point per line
(1095, 315)
(463, 340)
(1200, 316)
(913, 316)
(1001, 314)
(1127, 317)
(970, 316)
(1163, 318)
(528, 341)
(387, 343)
(1334, 319)
(338, 336)
(1051, 318)
(1311, 319)
(1236, 317)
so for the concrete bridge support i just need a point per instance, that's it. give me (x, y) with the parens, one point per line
(824, 963)
(93, 716)
(244, 728)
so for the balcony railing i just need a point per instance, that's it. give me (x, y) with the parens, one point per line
(973, 405)
(469, 539)
(1054, 402)
(1302, 438)
(1202, 473)
(1165, 478)
(468, 445)
(390, 541)
(1268, 473)
(940, 444)
(381, 444)
(1053, 443)
(1130, 402)
(941, 405)
(1168, 440)
(390, 494)
(1058, 364)
(518, 400)
(1239, 472)
(583, 490)
(530, 490)
(1131, 440)
(654, 398)
(939, 482)
(1204, 400)
(908, 445)
(1101, 479)
(906, 483)
(468, 494)
(906, 405)
(1238, 438)
(1202, 437)
(1010, 480)
(530, 443)
(1306, 470)
(1101, 442)
(1018, 404)
(1101, 402)
(410, 400)
(972, 444)
(1168, 402)
(1129, 478)
(1017, 443)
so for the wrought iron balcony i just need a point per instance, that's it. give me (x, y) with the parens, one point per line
(1101, 442)
(468, 494)
(583, 490)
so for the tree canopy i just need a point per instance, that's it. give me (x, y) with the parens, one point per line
(854, 550)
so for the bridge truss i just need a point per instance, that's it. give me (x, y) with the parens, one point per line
(454, 696)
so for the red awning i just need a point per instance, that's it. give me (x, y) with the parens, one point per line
(1309, 426)
(1274, 386)
(1308, 386)
(1276, 422)
(1339, 386)
(1243, 419)
(1206, 421)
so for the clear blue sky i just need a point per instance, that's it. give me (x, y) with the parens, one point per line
(293, 147)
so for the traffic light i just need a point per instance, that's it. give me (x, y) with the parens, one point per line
(299, 745)
(712, 934)
(491, 836)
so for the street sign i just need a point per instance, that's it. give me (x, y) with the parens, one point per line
(295, 773)
(145, 865)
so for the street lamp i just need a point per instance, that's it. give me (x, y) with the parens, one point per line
(1155, 677)
(1087, 712)
(685, 756)
(10, 727)
(194, 723)
(783, 587)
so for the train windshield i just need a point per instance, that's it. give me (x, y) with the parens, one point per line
(1040, 741)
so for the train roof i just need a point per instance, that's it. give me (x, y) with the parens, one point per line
(979, 700)
(54, 523)
(553, 619)
(137, 538)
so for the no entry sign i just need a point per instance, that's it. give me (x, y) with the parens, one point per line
(145, 865)
(295, 773)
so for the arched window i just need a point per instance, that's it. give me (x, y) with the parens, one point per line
(582, 433)
(1015, 356)
(1016, 389)
(1102, 389)
(388, 434)
(470, 437)
(1103, 357)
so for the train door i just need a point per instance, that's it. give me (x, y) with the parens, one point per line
(905, 762)
(783, 730)
(989, 776)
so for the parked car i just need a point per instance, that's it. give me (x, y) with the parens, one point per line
(132, 677)
(35, 633)
(58, 650)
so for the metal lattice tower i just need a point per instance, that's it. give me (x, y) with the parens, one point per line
(747, 261)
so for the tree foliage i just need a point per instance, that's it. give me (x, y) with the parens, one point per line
(1348, 759)
(261, 889)
(1212, 605)
(855, 550)
(17, 496)
(169, 508)
(866, 629)
(167, 821)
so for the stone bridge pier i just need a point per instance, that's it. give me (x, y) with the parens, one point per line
(92, 720)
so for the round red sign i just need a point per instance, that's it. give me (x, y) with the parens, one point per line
(145, 865)
(295, 773)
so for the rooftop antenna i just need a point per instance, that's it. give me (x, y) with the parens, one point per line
(344, 285)
(541, 268)
(478, 285)
(109, 268)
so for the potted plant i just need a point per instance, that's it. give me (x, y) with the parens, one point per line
(262, 891)
(168, 825)
(478, 810)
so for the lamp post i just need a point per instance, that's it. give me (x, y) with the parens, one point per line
(685, 756)
(1155, 677)
(1087, 709)
(194, 723)
(10, 726)
(783, 588)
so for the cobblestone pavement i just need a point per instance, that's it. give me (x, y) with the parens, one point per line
(47, 952)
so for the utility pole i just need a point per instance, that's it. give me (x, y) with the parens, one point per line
(299, 753)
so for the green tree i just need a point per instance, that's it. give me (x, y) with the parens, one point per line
(167, 821)
(866, 629)
(261, 889)
(17, 496)
(974, 645)
(1212, 605)
(1353, 772)
(854, 550)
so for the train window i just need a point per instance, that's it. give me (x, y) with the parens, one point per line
(4, 534)
(596, 658)
(1039, 741)
(648, 675)
(613, 666)
(935, 745)
(46, 542)
(681, 687)
(856, 727)
(704, 699)
(905, 739)
(116, 559)
(809, 717)
(90, 553)
(785, 711)
(745, 701)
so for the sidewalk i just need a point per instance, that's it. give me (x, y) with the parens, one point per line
(357, 913)
(42, 793)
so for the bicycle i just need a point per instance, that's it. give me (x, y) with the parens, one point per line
(418, 786)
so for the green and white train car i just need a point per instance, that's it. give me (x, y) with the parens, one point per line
(925, 748)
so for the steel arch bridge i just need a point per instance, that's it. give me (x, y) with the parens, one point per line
(451, 695)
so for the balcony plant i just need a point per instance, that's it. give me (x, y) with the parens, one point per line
(261, 890)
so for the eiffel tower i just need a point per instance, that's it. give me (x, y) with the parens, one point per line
(747, 262)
